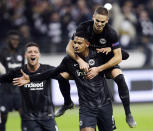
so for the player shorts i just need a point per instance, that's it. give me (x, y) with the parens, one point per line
(39, 125)
(9, 102)
(108, 72)
(88, 117)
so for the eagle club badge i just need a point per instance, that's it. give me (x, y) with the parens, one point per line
(91, 62)
(102, 41)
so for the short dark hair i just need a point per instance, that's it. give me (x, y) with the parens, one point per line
(30, 44)
(13, 32)
(81, 34)
(101, 10)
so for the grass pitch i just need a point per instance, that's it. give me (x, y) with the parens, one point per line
(143, 114)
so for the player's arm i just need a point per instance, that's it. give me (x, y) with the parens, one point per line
(8, 77)
(70, 51)
(116, 59)
(51, 73)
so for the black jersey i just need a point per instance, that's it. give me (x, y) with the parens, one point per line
(36, 96)
(92, 93)
(107, 38)
(10, 61)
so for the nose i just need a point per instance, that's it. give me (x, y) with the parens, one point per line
(99, 23)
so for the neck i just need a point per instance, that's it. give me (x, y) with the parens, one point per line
(32, 68)
(85, 53)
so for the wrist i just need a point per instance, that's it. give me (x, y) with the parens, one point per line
(100, 68)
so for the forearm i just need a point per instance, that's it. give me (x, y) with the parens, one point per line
(112, 62)
(116, 59)
(47, 74)
(6, 78)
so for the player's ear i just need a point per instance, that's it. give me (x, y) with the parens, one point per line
(88, 43)
(93, 17)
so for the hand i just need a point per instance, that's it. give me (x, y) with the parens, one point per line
(20, 81)
(83, 65)
(104, 50)
(94, 71)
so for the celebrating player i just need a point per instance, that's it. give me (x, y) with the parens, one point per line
(37, 106)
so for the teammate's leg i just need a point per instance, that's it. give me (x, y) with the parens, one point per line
(17, 106)
(3, 121)
(65, 90)
(124, 94)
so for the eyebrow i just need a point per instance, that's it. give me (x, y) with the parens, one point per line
(100, 21)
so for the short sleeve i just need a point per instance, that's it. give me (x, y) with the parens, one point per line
(114, 40)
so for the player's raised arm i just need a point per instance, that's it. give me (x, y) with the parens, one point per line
(70, 51)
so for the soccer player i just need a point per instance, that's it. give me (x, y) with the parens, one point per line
(101, 35)
(37, 106)
(94, 98)
(10, 57)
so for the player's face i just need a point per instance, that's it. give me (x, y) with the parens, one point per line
(14, 41)
(80, 45)
(32, 55)
(99, 22)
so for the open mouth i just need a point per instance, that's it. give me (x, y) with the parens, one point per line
(33, 59)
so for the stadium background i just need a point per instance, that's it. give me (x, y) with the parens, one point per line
(50, 23)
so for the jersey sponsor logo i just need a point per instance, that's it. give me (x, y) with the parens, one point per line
(102, 41)
(80, 73)
(14, 65)
(35, 86)
(91, 62)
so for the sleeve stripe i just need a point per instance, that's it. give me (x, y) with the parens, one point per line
(115, 44)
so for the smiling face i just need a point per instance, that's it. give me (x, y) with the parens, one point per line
(99, 22)
(32, 55)
(80, 45)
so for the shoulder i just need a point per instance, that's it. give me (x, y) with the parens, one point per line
(110, 30)
(46, 66)
(111, 33)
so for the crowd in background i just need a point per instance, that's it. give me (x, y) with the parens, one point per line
(51, 23)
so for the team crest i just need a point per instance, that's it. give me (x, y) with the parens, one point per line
(91, 62)
(102, 41)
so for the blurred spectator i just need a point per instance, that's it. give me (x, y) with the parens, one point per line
(124, 22)
(25, 34)
(52, 22)
(145, 35)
